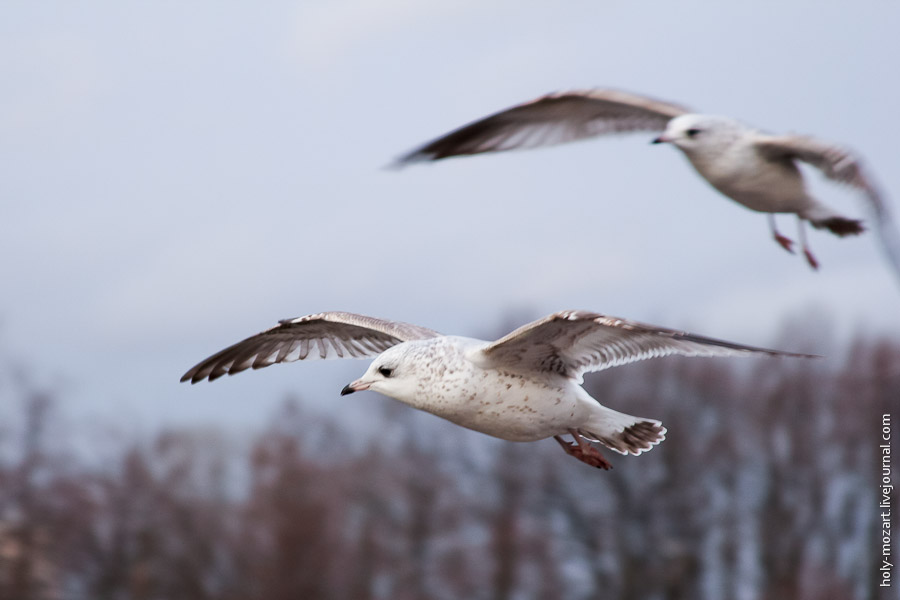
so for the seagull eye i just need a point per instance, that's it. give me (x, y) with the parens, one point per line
(692, 132)
(385, 371)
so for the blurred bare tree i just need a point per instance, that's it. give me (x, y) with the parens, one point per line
(766, 488)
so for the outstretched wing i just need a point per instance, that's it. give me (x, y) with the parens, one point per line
(321, 336)
(570, 343)
(838, 164)
(552, 119)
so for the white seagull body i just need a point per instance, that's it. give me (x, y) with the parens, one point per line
(752, 168)
(525, 386)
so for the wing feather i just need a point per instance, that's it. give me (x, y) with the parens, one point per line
(836, 163)
(570, 343)
(840, 165)
(552, 119)
(323, 336)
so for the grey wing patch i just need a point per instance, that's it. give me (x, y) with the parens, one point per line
(842, 166)
(836, 163)
(570, 343)
(321, 336)
(552, 119)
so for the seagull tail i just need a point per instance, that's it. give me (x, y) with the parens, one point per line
(822, 217)
(840, 226)
(623, 433)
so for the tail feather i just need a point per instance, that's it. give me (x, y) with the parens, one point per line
(623, 433)
(840, 226)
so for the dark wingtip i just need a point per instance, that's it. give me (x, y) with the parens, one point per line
(796, 355)
(401, 162)
(782, 353)
(192, 379)
(416, 156)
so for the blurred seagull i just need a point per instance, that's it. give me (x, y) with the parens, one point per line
(523, 387)
(752, 168)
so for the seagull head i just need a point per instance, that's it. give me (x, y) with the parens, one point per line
(392, 373)
(693, 133)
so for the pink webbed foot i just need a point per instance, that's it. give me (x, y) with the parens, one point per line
(811, 259)
(801, 231)
(584, 451)
(785, 242)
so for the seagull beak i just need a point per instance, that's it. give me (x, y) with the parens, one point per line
(357, 386)
(661, 140)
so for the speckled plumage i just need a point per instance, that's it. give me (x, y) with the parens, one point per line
(522, 387)
(499, 402)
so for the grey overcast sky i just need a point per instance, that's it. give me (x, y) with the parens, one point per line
(177, 176)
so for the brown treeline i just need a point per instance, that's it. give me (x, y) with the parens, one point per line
(767, 487)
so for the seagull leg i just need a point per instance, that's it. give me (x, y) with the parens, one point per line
(786, 243)
(801, 232)
(583, 451)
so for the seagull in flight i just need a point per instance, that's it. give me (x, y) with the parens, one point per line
(753, 168)
(524, 387)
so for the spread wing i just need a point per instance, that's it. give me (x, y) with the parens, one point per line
(552, 119)
(570, 343)
(840, 165)
(321, 336)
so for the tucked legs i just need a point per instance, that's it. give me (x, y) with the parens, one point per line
(583, 451)
(785, 242)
